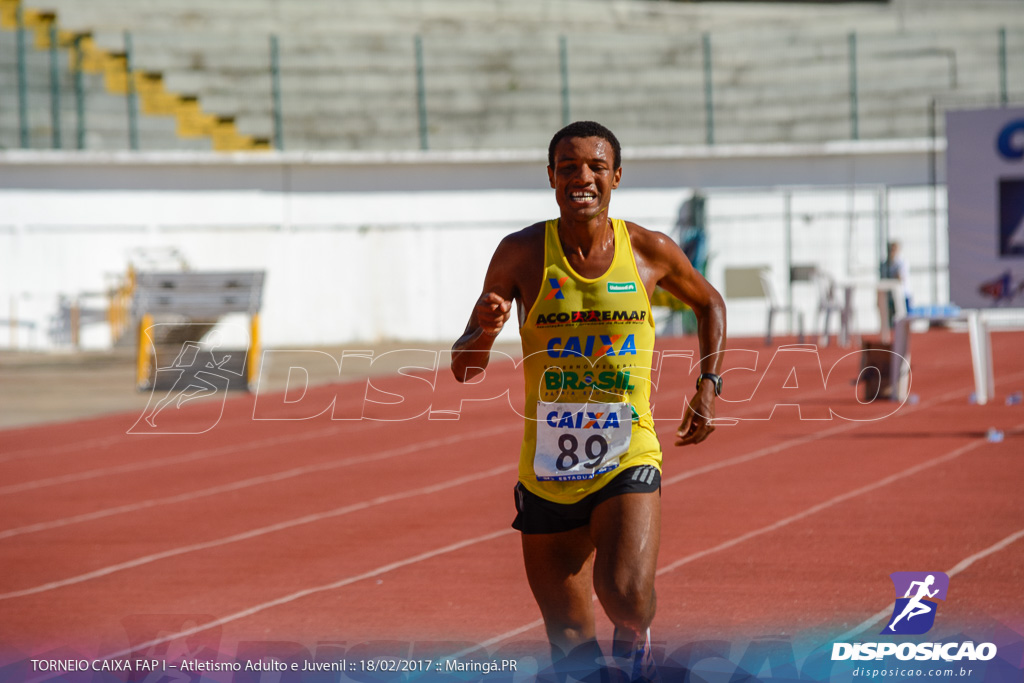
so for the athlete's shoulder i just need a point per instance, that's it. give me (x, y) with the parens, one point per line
(651, 244)
(525, 243)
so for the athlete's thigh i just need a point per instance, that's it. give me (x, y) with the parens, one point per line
(559, 568)
(626, 530)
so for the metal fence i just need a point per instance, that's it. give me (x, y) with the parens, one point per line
(158, 91)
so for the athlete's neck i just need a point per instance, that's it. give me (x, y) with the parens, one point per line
(580, 238)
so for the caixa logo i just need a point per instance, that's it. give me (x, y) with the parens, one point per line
(1010, 142)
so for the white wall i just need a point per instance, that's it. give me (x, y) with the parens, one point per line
(360, 247)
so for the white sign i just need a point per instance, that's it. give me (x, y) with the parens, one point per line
(985, 184)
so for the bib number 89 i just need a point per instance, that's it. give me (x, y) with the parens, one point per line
(595, 448)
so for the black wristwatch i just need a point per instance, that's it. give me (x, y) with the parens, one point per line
(717, 379)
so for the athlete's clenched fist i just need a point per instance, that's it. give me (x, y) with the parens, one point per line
(491, 313)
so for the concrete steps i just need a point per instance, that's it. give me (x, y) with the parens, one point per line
(349, 77)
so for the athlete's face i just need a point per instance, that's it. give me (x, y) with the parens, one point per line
(583, 177)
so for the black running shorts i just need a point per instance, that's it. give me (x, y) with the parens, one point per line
(535, 515)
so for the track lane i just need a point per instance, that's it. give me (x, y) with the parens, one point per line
(739, 435)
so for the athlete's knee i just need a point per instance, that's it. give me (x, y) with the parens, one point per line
(628, 598)
(567, 635)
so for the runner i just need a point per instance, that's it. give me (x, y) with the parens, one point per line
(916, 605)
(582, 285)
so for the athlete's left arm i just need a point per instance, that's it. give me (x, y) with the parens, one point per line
(662, 262)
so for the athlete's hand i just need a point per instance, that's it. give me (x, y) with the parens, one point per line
(491, 313)
(697, 420)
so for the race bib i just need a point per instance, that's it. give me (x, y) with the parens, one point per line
(580, 440)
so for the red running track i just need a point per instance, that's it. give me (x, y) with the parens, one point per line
(316, 530)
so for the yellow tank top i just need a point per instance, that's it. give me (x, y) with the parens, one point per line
(587, 350)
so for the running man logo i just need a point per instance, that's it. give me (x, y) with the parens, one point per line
(199, 370)
(556, 288)
(914, 612)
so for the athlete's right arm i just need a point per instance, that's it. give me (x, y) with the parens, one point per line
(910, 589)
(492, 310)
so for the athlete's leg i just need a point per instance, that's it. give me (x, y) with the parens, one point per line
(559, 568)
(626, 531)
(918, 610)
(908, 611)
(902, 614)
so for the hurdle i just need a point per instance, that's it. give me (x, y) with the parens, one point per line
(190, 303)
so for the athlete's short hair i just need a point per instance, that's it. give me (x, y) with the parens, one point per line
(585, 129)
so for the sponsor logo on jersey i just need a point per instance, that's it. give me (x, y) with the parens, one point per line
(560, 419)
(592, 346)
(556, 288)
(589, 316)
(556, 380)
(621, 287)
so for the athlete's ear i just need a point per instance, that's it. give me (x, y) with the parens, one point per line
(551, 177)
(616, 177)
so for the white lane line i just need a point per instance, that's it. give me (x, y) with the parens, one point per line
(252, 481)
(665, 395)
(383, 499)
(814, 509)
(802, 440)
(181, 550)
(89, 446)
(270, 529)
(58, 449)
(760, 453)
(178, 459)
(299, 471)
(422, 557)
(160, 462)
(497, 639)
(273, 441)
(960, 566)
(100, 514)
(253, 533)
(63, 448)
(831, 502)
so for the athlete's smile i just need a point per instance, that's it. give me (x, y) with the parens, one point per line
(583, 175)
(582, 197)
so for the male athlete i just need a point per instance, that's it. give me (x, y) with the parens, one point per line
(588, 497)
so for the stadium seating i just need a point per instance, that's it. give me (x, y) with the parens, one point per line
(492, 72)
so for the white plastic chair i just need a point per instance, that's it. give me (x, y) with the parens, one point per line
(829, 303)
(776, 306)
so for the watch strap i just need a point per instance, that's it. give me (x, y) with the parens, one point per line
(716, 380)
